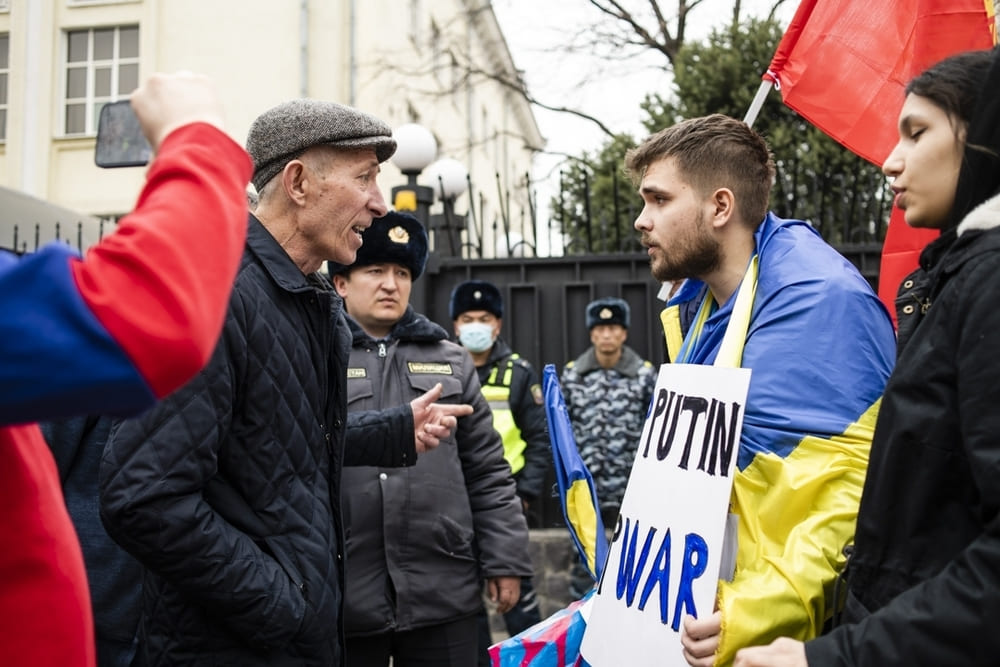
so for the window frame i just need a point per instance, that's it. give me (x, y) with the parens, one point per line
(91, 101)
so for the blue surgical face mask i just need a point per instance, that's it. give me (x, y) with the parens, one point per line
(476, 336)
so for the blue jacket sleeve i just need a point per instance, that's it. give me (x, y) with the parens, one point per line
(57, 359)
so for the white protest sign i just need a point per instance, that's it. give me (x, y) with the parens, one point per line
(663, 562)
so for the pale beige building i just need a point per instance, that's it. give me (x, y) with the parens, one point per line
(433, 62)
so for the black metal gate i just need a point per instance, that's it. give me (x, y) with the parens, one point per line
(544, 302)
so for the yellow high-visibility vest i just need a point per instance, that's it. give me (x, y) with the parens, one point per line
(496, 390)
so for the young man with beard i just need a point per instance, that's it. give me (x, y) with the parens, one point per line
(820, 345)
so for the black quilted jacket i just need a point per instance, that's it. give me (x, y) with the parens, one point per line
(227, 491)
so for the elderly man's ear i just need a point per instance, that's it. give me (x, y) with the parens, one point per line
(295, 181)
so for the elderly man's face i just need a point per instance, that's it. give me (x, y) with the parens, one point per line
(343, 202)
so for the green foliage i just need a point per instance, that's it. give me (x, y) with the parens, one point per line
(818, 180)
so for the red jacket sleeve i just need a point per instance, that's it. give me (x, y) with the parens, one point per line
(161, 283)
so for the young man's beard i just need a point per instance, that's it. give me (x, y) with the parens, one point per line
(693, 258)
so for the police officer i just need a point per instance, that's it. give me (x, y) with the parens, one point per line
(511, 386)
(607, 429)
(420, 539)
(607, 391)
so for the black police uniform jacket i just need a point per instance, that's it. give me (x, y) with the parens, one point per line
(421, 539)
(228, 490)
(924, 577)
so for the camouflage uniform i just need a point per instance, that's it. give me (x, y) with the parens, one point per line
(608, 409)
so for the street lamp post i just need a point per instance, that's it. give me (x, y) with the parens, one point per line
(415, 149)
(450, 179)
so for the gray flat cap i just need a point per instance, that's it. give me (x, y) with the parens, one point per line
(281, 134)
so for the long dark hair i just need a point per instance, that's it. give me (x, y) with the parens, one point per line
(967, 87)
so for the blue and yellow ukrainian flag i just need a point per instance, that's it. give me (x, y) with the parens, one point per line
(821, 347)
(576, 487)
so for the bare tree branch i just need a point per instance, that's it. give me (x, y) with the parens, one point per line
(471, 72)
(621, 31)
(519, 87)
(774, 9)
(667, 45)
(628, 28)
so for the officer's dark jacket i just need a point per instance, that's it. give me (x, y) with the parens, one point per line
(420, 540)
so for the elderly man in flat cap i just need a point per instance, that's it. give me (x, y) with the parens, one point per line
(229, 490)
(422, 538)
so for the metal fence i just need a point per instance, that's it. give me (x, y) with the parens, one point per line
(544, 298)
(544, 303)
(848, 203)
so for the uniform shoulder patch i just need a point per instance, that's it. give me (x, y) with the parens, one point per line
(429, 368)
(536, 393)
(356, 373)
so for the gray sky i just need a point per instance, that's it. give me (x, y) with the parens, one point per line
(610, 92)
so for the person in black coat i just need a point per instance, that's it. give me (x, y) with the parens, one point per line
(228, 491)
(114, 576)
(923, 579)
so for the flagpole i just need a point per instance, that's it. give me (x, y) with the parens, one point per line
(758, 102)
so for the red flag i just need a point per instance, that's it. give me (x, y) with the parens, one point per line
(843, 67)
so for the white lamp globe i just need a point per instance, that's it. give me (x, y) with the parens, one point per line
(448, 177)
(415, 148)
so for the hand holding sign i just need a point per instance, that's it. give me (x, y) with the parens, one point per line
(700, 639)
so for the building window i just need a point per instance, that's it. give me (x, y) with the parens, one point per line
(102, 65)
(4, 78)
(4, 6)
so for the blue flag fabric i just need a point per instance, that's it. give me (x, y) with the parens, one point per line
(821, 347)
(576, 487)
